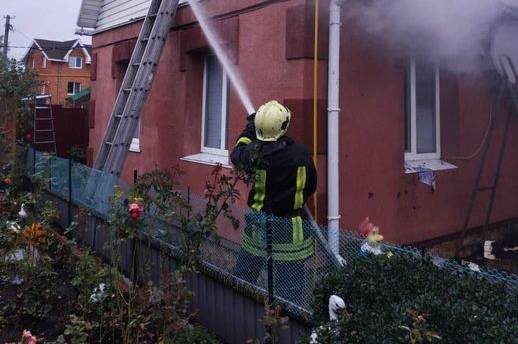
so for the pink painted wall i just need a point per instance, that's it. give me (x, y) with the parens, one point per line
(372, 149)
(373, 182)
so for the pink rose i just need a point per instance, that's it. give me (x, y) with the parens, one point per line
(28, 338)
(135, 211)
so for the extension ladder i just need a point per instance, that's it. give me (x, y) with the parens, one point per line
(44, 136)
(136, 86)
(507, 86)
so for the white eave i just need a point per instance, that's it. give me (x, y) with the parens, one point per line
(89, 13)
(94, 14)
(78, 43)
(31, 48)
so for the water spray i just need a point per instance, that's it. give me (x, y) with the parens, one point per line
(238, 84)
(222, 56)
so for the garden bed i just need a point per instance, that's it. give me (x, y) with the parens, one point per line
(37, 297)
(59, 293)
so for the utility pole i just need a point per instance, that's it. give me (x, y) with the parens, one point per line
(6, 35)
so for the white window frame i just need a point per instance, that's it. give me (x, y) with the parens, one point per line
(412, 155)
(70, 58)
(224, 110)
(43, 62)
(75, 83)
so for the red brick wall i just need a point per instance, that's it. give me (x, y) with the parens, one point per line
(275, 63)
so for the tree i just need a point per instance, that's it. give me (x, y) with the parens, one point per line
(16, 86)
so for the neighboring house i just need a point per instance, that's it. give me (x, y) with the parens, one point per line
(63, 67)
(396, 113)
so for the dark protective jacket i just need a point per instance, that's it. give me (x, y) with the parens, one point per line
(284, 177)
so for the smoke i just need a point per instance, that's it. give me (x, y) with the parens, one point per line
(454, 33)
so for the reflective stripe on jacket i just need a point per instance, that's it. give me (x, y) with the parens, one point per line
(284, 177)
(291, 238)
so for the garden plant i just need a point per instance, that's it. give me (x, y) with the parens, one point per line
(404, 299)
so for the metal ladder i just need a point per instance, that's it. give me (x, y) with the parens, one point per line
(136, 86)
(44, 135)
(512, 90)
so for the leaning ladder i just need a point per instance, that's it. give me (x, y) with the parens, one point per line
(511, 89)
(44, 136)
(135, 86)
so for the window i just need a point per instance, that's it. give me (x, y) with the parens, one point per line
(422, 112)
(43, 62)
(33, 63)
(215, 111)
(73, 88)
(214, 116)
(75, 62)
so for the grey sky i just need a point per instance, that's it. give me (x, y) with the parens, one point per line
(47, 19)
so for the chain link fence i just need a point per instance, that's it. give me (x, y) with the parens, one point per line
(300, 260)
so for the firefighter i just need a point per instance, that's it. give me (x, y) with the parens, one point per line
(284, 177)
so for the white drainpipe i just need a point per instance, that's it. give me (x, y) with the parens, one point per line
(333, 110)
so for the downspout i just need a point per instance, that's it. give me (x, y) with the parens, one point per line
(333, 110)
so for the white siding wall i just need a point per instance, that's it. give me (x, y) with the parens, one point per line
(116, 12)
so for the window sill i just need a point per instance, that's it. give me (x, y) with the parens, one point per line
(207, 159)
(135, 146)
(416, 166)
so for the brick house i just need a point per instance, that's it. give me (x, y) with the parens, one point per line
(193, 123)
(63, 67)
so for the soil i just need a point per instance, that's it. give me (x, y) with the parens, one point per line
(62, 294)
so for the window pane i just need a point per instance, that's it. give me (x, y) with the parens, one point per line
(70, 87)
(213, 103)
(78, 62)
(425, 108)
(408, 109)
(71, 62)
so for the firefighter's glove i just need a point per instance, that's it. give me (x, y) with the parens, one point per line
(250, 127)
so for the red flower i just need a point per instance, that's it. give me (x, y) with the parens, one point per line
(8, 181)
(28, 338)
(135, 211)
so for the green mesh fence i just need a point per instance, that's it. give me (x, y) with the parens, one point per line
(71, 180)
(300, 261)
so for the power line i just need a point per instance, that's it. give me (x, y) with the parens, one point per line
(23, 34)
(36, 48)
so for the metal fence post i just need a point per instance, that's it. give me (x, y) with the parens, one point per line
(69, 205)
(269, 261)
(134, 265)
(50, 172)
(33, 160)
(269, 267)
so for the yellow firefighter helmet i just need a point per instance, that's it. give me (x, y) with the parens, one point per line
(272, 121)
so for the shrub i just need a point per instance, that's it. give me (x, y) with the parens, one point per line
(386, 295)
(195, 335)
